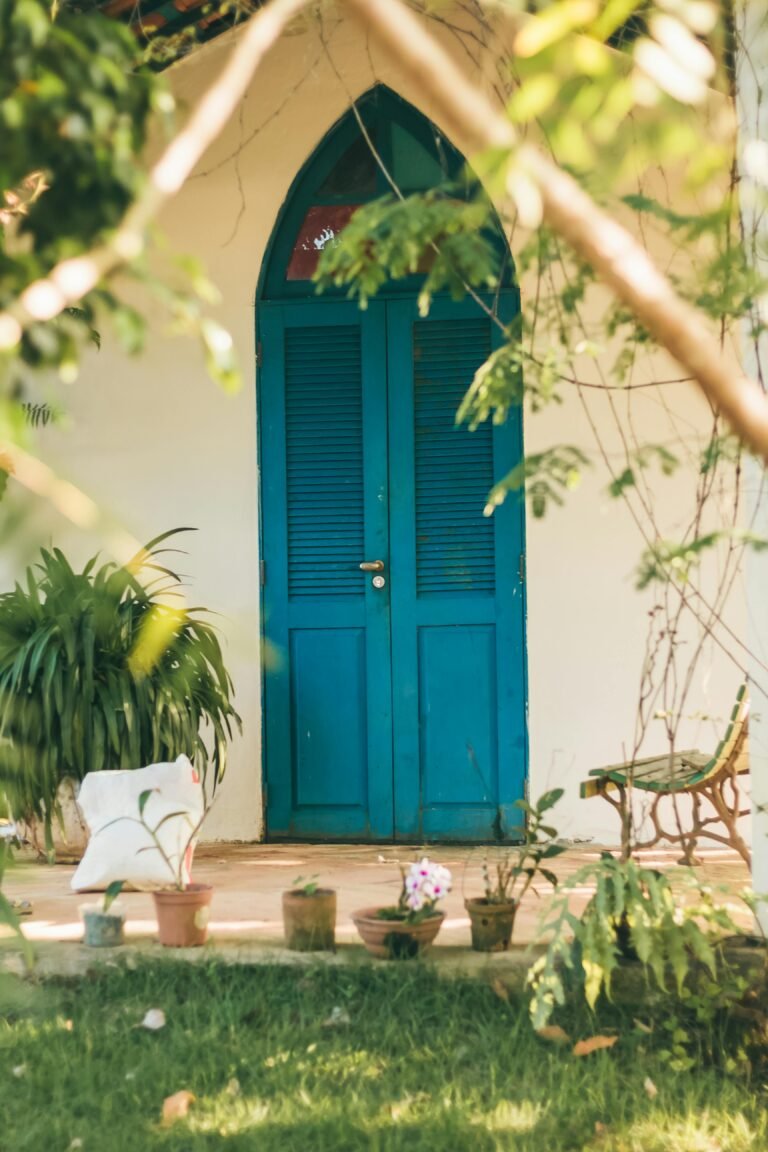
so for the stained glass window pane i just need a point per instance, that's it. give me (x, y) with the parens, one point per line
(318, 228)
(414, 168)
(355, 174)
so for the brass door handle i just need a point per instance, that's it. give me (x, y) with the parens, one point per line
(372, 566)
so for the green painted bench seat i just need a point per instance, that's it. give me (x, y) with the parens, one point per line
(713, 778)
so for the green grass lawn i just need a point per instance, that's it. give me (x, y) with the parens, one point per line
(423, 1064)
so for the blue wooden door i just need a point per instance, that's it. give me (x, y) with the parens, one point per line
(395, 711)
(458, 658)
(328, 710)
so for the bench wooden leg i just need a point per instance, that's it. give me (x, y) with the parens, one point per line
(624, 809)
(727, 813)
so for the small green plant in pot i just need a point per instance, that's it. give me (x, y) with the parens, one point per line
(182, 908)
(101, 669)
(309, 916)
(492, 916)
(104, 923)
(408, 928)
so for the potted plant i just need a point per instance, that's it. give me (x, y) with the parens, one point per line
(408, 928)
(670, 927)
(99, 669)
(492, 916)
(182, 908)
(104, 922)
(309, 917)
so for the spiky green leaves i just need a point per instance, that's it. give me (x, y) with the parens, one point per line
(82, 689)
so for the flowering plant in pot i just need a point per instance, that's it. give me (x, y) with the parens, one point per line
(492, 916)
(309, 916)
(104, 923)
(407, 928)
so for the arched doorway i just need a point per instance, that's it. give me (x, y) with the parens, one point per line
(395, 699)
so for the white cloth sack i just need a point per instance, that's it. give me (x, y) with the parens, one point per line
(120, 848)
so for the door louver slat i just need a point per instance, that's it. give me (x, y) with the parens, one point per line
(324, 460)
(454, 467)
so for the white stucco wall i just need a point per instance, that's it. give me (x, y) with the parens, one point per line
(159, 444)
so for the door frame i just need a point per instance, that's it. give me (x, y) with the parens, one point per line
(407, 288)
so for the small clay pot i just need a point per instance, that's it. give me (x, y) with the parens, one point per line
(182, 916)
(103, 929)
(491, 924)
(395, 939)
(309, 920)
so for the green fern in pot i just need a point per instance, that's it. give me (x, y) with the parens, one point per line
(100, 670)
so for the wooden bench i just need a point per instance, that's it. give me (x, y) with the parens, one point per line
(712, 778)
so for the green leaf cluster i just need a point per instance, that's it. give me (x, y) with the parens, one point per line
(509, 376)
(432, 233)
(675, 561)
(634, 914)
(642, 458)
(77, 103)
(8, 916)
(307, 885)
(98, 670)
(75, 109)
(544, 476)
(516, 870)
(175, 861)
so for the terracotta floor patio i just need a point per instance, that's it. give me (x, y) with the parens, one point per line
(248, 880)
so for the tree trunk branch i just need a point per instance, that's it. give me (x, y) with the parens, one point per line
(612, 251)
(72, 279)
(618, 259)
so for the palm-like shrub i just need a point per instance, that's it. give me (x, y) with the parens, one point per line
(98, 669)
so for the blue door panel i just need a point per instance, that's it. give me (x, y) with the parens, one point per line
(459, 763)
(327, 693)
(329, 759)
(457, 615)
(394, 712)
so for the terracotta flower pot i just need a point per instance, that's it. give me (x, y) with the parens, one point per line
(309, 920)
(103, 929)
(396, 939)
(491, 924)
(182, 917)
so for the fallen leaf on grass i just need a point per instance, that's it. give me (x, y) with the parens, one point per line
(593, 1044)
(177, 1106)
(651, 1090)
(646, 1028)
(554, 1033)
(501, 990)
(154, 1019)
(339, 1018)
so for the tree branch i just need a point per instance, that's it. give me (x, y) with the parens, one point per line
(72, 279)
(619, 260)
(614, 254)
